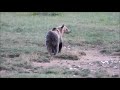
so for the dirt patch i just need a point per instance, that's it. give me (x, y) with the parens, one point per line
(70, 53)
(71, 61)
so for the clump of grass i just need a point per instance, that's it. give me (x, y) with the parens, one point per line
(19, 30)
(68, 56)
(51, 72)
(42, 59)
(85, 72)
(2, 60)
(24, 64)
(7, 66)
(56, 70)
(115, 76)
(10, 55)
(71, 72)
(105, 51)
(47, 13)
(14, 63)
(81, 72)
(101, 74)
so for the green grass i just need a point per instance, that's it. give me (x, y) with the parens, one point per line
(26, 28)
(24, 32)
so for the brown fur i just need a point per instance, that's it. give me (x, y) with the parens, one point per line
(54, 40)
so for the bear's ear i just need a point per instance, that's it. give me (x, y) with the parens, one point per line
(62, 26)
(54, 29)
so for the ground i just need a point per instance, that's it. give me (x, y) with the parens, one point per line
(91, 50)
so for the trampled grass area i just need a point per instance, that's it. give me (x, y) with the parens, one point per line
(24, 32)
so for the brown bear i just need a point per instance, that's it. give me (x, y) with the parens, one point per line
(54, 39)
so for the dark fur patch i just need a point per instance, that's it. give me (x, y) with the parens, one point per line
(52, 42)
(60, 47)
(54, 29)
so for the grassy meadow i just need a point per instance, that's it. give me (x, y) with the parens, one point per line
(22, 40)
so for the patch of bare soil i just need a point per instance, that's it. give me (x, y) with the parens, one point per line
(99, 65)
(86, 63)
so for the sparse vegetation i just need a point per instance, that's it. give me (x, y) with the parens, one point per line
(101, 74)
(69, 57)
